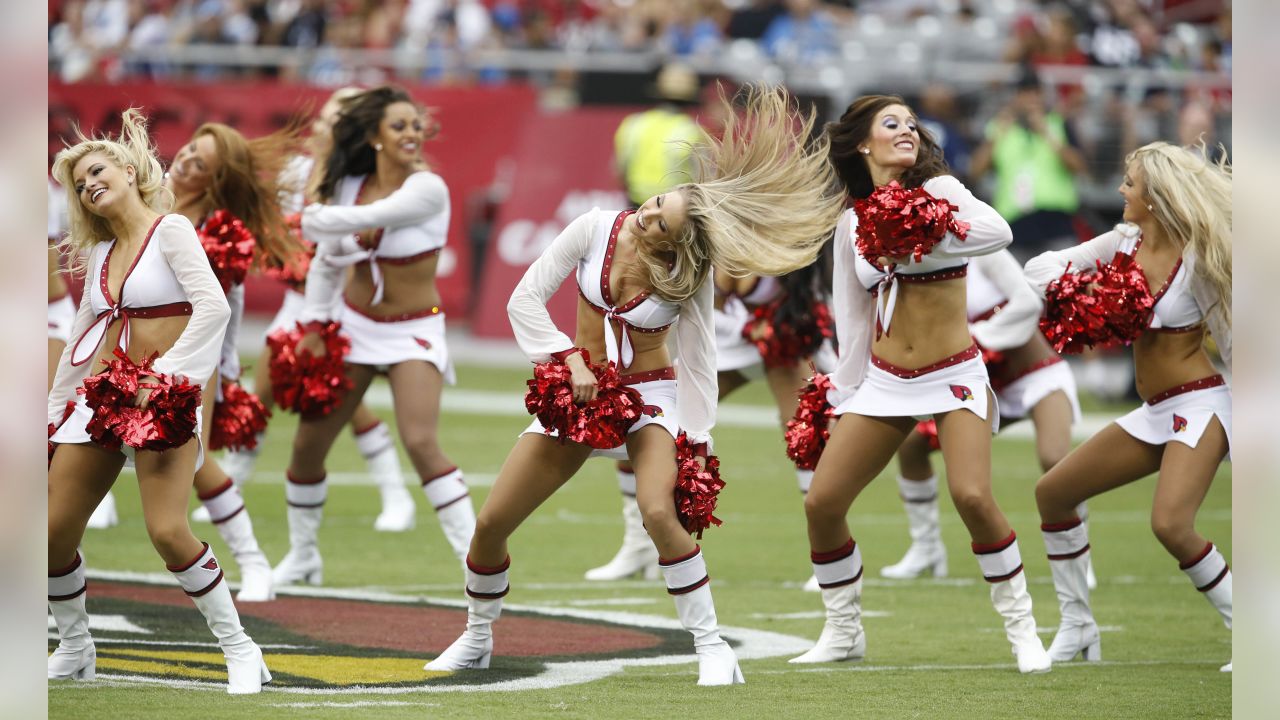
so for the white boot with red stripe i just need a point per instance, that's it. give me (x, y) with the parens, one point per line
(486, 586)
(927, 553)
(228, 513)
(1001, 565)
(690, 587)
(306, 500)
(839, 574)
(75, 657)
(379, 450)
(804, 478)
(1211, 575)
(448, 494)
(105, 516)
(202, 580)
(1067, 544)
(637, 555)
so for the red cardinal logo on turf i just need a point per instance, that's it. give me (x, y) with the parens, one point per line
(212, 564)
(424, 343)
(652, 411)
(961, 392)
(1179, 423)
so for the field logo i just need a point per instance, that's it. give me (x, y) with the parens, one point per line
(328, 641)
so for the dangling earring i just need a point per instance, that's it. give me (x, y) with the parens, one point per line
(377, 147)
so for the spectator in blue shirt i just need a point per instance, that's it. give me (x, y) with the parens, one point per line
(805, 34)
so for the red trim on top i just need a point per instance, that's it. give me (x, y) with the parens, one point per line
(106, 264)
(482, 570)
(989, 312)
(995, 547)
(563, 355)
(910, 374)
(1033, 367)
(194, 560)
(954, 273)
(1205, 383)
(1179, 329)
(830, 556)
(622, 320)
(1062, 526)
(606, 292)
(666, 373)
(223, 487)
(1155, 299)
(1208, 548)
(677, 560)
(403, 317)
(65, 571)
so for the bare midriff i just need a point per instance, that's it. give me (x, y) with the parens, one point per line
(407, 288)
(147, 336)
(1018, 360)
(928, 324)
(650, 348)
(1164, 360)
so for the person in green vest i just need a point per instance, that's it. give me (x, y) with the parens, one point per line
(649, 150)
(1034, 156)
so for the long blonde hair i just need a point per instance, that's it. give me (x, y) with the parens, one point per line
(132, 149)
(1190, 196)
(764, 198)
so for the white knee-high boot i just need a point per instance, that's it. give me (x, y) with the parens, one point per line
(1001, 565)
(448, 494)
(486, 586)
(379, 450)
(202, 580)
(1211, 575)
(238, 464)
(228, 513)
(927, 553)
(1082, 512)
(690, 587)
(804, 478)
(105, 516)
(637, 554)
(1068, 548)
(839, 574)
(306, 500)
(75, 657)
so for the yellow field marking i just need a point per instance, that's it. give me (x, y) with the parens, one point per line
(166, 663)
(328, 669)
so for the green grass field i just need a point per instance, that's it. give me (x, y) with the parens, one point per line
(935, 648)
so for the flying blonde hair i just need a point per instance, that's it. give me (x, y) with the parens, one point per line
(764, 198)
(133, 148)
(1190, 197)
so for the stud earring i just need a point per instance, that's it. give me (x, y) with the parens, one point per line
(865, 151)
(377, 147)
(1150, 209)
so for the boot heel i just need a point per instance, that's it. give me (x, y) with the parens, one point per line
(482, 662)
(940, 568)
(737, 676)
(1092, 652)
(264, 674)
(90, 670)
(315, 578)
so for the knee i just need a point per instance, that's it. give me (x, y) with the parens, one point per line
(821, 511)
(972, 502)
(658, 514)
(1049, 499)
(170, 538)
(1171, 530)
(420, 444)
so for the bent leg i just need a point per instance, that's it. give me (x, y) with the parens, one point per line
(164, 482)
(79, 477)
(1185, 477)
(1052, 418)
(653, 453)
(1106, 461)
(858, 449)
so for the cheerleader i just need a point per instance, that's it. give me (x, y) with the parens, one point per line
(906, 353)
(1030, 381)
(747, 311)
(762, 203)
(149, 290)
(372, 436)
(219, 170)
(386, 218)
(1177, 232)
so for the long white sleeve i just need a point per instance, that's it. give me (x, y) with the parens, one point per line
(696, 385)
(229, 364)
(422, 196)
(195, 354)
(1049, 266)
(324, 279)
(1207, 299)
(988, 231)
(69, 377)
(1015, 323)
(854, 311)
(536, 334)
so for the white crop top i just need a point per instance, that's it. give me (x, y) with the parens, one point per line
(1181, 304)
(169, 276)
(1004, 312)
(412, 223)
(863, 295)
(586, 246)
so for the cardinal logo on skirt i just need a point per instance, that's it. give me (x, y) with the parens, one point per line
(424, 343)
(652, 411)
(1179, 423)
(961, 392)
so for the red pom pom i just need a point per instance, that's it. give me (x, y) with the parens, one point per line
(807, 432)
(929, 429)
(237, 419)
(66, 413)
(696, 487)
(229, 245)
(602, 423)
(304, 384)
(168, 421)
(1097, 307)
(895, 221)
(785, 345)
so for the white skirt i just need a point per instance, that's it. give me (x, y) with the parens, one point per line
(73, 431)
(1025, 392)
(734, 352)
(959, 382)
(383, 342)
(62, 314)
(1181, 414)
(659, 409)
